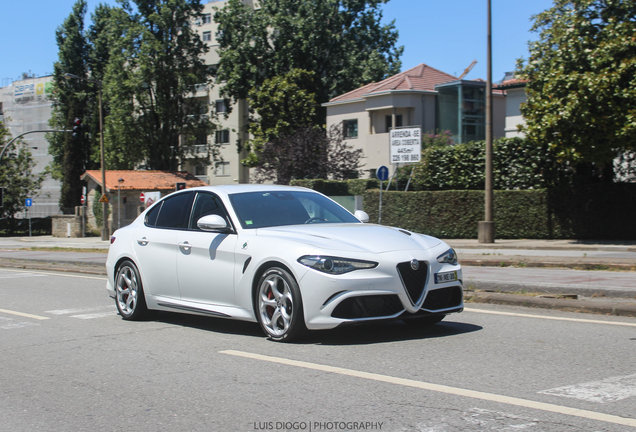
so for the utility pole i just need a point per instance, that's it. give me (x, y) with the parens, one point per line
(486, 228)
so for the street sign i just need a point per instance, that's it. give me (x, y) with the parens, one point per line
(104, 199)
(28, 202)
(142, 197)
(406, 145)
(382, 173)
(82, 199)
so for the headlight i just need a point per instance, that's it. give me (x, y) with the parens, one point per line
(335, 265)
(448, 257)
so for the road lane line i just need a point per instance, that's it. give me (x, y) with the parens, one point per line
(491, 397)
(550, 317)
(22, 314)
(55, 274)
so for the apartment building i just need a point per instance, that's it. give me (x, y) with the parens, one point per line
(25, 106)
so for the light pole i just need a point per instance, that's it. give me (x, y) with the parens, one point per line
(486, 228)
(120, 181)
(68, 76)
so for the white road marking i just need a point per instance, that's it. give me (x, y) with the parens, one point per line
(582, 320)
(20, 275)
(78, 310)
(56, 274)
(607, 390)
(22, 314)
(95, 315)
(491, 397)
(17, 325)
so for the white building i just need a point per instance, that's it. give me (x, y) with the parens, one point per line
(233, 129)
(421, 96)
(25, 106)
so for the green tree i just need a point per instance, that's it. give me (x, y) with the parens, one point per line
(71, 152)
(308, 152)
(582, 82)
(155, 63)
(342, 42)
(284, 105)
(16, 176)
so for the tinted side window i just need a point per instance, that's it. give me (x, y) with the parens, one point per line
(175, 211)
(151, 216)
(206, 204)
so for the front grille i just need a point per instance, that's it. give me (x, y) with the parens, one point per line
(413, 280)
(443, 298)
(373, 306)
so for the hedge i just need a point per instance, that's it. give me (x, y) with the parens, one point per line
(593, 212)
(13, 227)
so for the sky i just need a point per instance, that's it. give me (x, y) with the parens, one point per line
(445, 34)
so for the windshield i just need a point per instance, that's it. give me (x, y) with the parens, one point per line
(274, 208)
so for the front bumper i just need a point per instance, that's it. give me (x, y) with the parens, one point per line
(389, 291)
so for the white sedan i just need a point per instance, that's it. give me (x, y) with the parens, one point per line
(287, 257)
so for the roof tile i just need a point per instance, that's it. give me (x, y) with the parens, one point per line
(143, 180)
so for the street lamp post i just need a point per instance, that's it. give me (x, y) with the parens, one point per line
(105, 233)
(486, 228)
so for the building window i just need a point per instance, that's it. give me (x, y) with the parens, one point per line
(200, 170)
(206, 36)
(222, 137)
(220, 106)
(206, 18)
(389, 121)
(221, 169)
(201, 139)
(350, 128)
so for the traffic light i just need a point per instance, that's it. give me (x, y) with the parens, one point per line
(77, 127)
(180, 186)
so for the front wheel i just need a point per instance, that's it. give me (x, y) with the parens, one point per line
(279, 307)
(130, 299)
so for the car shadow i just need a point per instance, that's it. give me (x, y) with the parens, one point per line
(392, 331)
(217, 325)
(363, 334)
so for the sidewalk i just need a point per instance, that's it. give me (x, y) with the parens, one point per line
(504, 272)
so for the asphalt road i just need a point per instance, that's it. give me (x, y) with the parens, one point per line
(69, 363)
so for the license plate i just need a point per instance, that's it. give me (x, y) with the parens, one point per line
(445, 277)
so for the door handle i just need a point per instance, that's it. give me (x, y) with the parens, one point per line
(143, 241)
(185, 246)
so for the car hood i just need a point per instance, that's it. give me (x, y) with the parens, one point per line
(352, 237)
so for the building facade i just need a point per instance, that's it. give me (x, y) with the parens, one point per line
(422, 96)
(25, 106)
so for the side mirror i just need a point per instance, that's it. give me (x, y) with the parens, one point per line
(362, 216)
(212, 223)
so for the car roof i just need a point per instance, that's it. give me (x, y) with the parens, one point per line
(242, 188)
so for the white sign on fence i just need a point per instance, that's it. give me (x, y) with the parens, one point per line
(406, 145)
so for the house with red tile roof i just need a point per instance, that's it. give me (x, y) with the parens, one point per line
(421, 96)
(515, 95)
(124, 187)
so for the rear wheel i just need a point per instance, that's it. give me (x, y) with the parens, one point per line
(279, 308)
(129, 294)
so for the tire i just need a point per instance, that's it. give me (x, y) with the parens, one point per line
(278, 305)
(129, 293)
(425, 320)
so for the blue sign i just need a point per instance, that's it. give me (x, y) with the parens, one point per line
(29, 202)
(382, 173)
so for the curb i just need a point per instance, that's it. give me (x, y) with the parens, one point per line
(547, 264)
(567, 305)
